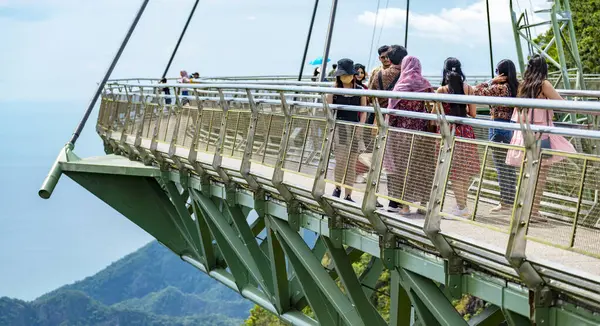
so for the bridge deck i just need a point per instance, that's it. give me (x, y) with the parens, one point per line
(486, 234)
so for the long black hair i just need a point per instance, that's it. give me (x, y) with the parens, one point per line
(507, 68)
(453, 77)
(534, 77)
(364, 69)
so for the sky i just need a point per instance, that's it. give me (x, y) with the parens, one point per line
(54, 52)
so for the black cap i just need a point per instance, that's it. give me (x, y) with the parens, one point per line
(345, 67)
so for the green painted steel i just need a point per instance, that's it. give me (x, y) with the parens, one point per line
(418, 269)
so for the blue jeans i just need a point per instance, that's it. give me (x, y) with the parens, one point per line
(507, 177)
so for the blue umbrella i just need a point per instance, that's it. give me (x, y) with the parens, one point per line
(318, 61)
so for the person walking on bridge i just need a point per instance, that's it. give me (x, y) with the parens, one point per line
(465, 160)
(421, 166)
(346, 146)
(536, 86)
(385, 79)
(383, 58)
(505, 84)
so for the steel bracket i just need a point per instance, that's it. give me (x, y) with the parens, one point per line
(260, 202)
(517, 241)
(454, 269)
(218, 156)
(245, 165)
(294, 212)
(432, 225)
(369, 204)
(388, 244)
(540, 301)
(318, 189)
(231, 193)
(277, 178)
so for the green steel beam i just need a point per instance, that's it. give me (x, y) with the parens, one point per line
(370, 276)
(281, 292)
(322, 308)
(252, 293)
(332, 292)
(141, 200)
(249, 240)
(206, 246)
(490, 316)
(400, 305)
(216, 219)
(353, 288)
(431, 305)
(183, 220)
(239, 272)
(513, 319)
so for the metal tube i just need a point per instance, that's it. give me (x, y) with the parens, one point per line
(406, 25)
(489, 24)
(53, 176)
(187, 23)
(573, 39)
(515, 25)
(328, 40)
(578, 106)
(310, 29)
(86, 116)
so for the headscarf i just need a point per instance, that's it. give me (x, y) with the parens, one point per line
(185, 78)
(411, 79)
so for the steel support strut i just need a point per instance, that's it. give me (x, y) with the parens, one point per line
(540, 295)
(432, 226)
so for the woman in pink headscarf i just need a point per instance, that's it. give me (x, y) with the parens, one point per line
(417, 187)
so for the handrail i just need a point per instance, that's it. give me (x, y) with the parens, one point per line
(592, 134)
(585, 107)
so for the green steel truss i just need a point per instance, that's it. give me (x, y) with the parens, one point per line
(206, 224)
(560, 21)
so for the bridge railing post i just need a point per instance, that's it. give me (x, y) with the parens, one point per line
(247, 156)
(318, 189)
(218, 156)
(277, 179)
(433, 218)
(369, 204)
(517, 241)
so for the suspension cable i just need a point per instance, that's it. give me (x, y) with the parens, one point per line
(373, 35)
(387, 3)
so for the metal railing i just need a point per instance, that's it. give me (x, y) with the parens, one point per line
(281, 139)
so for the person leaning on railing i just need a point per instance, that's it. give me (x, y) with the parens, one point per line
(465, 160)
(346, 154)
(395, 161)
(505, 84)
(535, 85)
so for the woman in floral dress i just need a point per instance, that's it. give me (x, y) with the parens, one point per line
(417, 187)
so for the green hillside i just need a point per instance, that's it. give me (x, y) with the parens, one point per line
(151, 286)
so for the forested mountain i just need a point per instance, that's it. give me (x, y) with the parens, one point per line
(151, 286)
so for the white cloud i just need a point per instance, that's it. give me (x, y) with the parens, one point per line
(466, 25)
(251, 18)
